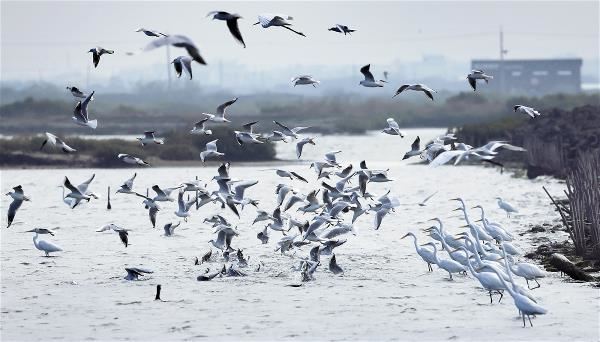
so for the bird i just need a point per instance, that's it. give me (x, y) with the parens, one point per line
(477, 75)
(124, 236)
(393, 128)
(76, 193)
(200, 128)
(133, 273)
(244, 138)
(507, 207)
(97, 52)
(129, 159)
(57, 142)
(81, 113)
(422, 203)
(271, 20)
(291, 132)
(179, 41)
(526, 110)
(150, 33)
(76, 92)
(305, 80)
(182, 63)
(300, 145)
(424, 253)
(149, 138)
(341, 29)
(369, 80)
(18, 197)
(127, 186)
(221, 111)
(170, 228)
(448, 265)
(334, 267)
(211, 151)
(183, 208)
(415, 149)
(527, 271)
(232, 23)
(416, 87)
(42, 245)
(289, 174)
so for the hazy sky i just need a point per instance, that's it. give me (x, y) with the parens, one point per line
(44, 38)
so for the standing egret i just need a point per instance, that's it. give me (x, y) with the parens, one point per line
(424, 253)
(43, 245)
(507, 207)
(449, 266)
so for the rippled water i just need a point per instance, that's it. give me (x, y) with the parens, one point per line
(385, 292)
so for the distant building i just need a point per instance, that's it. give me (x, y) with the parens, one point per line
(531, 76)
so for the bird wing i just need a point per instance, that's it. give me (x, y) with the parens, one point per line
(427, 198)
(200, 124)
(428, 93)
(445, 157)
(295, 174)
(222, 108)
(129, 183)
(367, 73)
(240, 187)
(249, 125)
(177, 41)
(223, 170)
(70, 186)
(284, 127)
(180, 202)
(178, 66)
(212, 145)
(159, 191)
(84, 105)
(401, 89)
(187, 64)
(84, 186)
(78, 114)
(152, 214)
(416, 145)
(12, 210)
(472, 82)
(234, 29)
(299, 147)
(393, 125)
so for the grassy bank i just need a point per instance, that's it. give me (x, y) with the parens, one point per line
(180, 146)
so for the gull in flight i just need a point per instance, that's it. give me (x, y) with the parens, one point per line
(97, 52)
(149, 138)
(211, 151)
(57, 142)
(134, 272)
(150, 33)
(42, 245)
(129, 159)
(152, 207)
(341, 29)
(232, 23)
(305, 79)
(268, 20)
(183, 208)
(247, 137)
(200, 128)
(527, 110)
(78, 193)
(170, 228)
(477, 75)
(289, 174)
(76, 92)
(290, 132)
(422, 204)
(127, 187)
(221, 111)
(18, 197)
(301, 143)
(179, 41)
(393, 128)
(415, 149)
(417, 87)
(164, 195)
(183, 63)
(81, 113)
(369, 80)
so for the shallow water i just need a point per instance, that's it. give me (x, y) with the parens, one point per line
(385, 292)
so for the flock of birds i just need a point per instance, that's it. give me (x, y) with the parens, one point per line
(328, 211)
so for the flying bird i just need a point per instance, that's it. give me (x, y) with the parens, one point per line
(57, 142)
(416, 87)
(211, 151)
(150, 33)
(232, 23)
(527, 110)
(305, 80)
(97, 52)
(179, 41)
(415, 149)
(393, 128)
(369, 80)
(80, 113)
(221, 111)
(269, 20)
(300, 145)
(477, 75)
(18, 197)
(341, 29)
(76, 92)
(291, 132)
(129, 159)
(149, 138)
(183, 63)
(200, 128)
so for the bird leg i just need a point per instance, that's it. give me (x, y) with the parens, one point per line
(538, 284)
(529, 318)
(450, 275)
(523, 315)
(491, 301)
(501, 293)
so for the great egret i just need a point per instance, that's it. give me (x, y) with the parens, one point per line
(424, 253)
(449, 266)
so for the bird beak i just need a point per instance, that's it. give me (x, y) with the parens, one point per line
(453, 199)
(29, 231)
(478, 220)
(404, 236)
(457, 209)
(465, 226)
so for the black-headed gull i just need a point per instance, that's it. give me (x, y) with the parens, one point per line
(369, 80)
(416, 87)
(232, 23)
(97, 52)
(477, 75)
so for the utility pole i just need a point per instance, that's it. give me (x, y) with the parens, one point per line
(501, 69)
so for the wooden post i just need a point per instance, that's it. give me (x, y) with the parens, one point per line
(108, 206)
